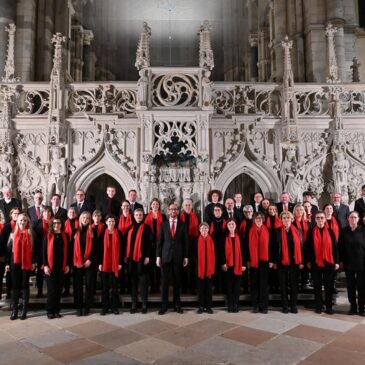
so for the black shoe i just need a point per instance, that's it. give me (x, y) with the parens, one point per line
(329, 311)
(51, 316)
(162, 311)
(179, 310)
(255, 310)
(86, 312)
(144, 309)
(200, 310)
(264, 311)
(209, 310)
(361, 313)
(230, 310)
(58, 315)
(79, 313)
(352, 311)
(24, 314)
(285, 310)
(133, 310)
(235, 309)
(318, 310)
(115, 310)
(14, 314)
(294, 310)
(103, 312)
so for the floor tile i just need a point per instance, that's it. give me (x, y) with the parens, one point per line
(248, 335)
(116, 338)
(353, 340)
(92, 328)
(51, 338)
(210, 326)
(152, 327)
(313, 334)
(271, 325)
(107, 358)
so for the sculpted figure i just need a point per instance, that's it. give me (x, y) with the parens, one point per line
(57, 171)
(5, 170)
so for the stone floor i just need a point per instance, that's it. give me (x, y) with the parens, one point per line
(221, 338)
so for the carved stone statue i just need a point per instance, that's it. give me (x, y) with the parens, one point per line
(289, 166)
(5, 170)
(206, 91)
(57, 172)
(142, 93)
(340, 170)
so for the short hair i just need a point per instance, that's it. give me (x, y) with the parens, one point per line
(38, 191)
(111, 186)
(188, 200)
(363, 187)
(157, 201)
(203, 224)
(58, 196)
(81, 190)
(308, 193)
(356, 212)
(259, 214)
(72, 208)
(47, 209)
(125, 201)
(6, 188)
(110, 216)
(319, 212)
(96, 212)
(248, 207)
(214, 191)
(327, 205)
(132, 191)
(138, 210)
(290, 214)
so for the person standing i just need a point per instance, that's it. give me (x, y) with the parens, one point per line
(340, 211)
(8, 203)
(284, 205)
(110, 205)
(360, 203)
(352, 259)
(35, 211)
(57, 210)
(81, 205)
(132, 198)
(171, 257)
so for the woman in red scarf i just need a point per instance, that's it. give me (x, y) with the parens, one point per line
(41, 228)
(233, 265)
(84, 264)
(259, 262)
(56, 259)
(20, 263)
(98, 228)
(289, 260)
(4, 237)
(110, 264)
(322, 259)
(192, 224)
(137, 258)
(154, 220)
(206, 268)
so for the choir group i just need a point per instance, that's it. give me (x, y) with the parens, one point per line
(257, 248)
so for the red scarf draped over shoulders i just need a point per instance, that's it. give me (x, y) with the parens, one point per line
(50, 250)
(234, 258)
(149, 221)
(193, 230)
(137, 251)
(303, 226)
(45, 226)
(334, 226)
(125, 223)
(111, 252)
(212, 229)
(322, 245)
(277, 222)
(1, 227)
(258, 245)
(78, 259)
(68, 228)
(206, 257)
(23, 249)
(285, 257)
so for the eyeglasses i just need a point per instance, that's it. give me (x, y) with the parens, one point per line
(56, 222)
(320, 217)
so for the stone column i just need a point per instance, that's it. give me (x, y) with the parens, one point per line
(88, 71)
(7, 16)
(254, 57)
(77, 36)
(280, 33)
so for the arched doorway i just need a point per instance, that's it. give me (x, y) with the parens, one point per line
(243, 184)
(96, 190)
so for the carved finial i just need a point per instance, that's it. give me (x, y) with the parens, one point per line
(206, 58)
(288, 78)
(355, 70)
(143, 48)
(57, 39)
(9, 64)
(332, 61)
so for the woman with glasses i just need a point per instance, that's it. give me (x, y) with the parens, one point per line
(56, 259)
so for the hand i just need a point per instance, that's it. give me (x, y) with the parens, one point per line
(67, 269)
(337, 266)
(185, 262)
(301, 266)
(7, 268)
(224, 267)
(158, 261)
(146, 261)
(100, 267)
(309, 265)
(271, 265)
(87, 264)
(119, 267)
(275, 266)
(47, 271)
(243, 268)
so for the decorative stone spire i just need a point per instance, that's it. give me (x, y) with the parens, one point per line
(355, 70)
(57, 71)
(143, 48)
(206, 58)
(9, 65)
(288, 78)
(332, 61)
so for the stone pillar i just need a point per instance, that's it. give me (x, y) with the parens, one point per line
(77, 36)
(7, 16)
(88, 70)
(254, 57)
(280, 32)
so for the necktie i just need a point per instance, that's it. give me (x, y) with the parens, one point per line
(38, 211)
(54, 211)
(132, 207)
(285, 207)
(173, 227)
(231, 215)
(79, 207)
(337, 208)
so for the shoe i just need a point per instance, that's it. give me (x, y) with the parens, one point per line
(352, 311)
(86, 312)
(179, 310)
(132, 310)
(318, 310)
(294, 310)
(209, 310)
(255, 310)
(79, 313)
(162, 311)
(235, 309)
(144, 309)
(51, 316)
(115, 311)
(14, 314)
(285, 310)
(361, 313)
(330, 311)
(200, 310)
(230, 310)
(58, 315)
(23, 314)
(103, 312)
(264, 311)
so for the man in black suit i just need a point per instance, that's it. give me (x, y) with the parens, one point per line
(256, 203)
(340, 211)
(231, 213)
(284, 205)
(8, 203)
(110, 205)
(238, 204)
(171, 257)
(81, 204)
(35, 211)
(132, 198)
(360, 203)
(57, 210)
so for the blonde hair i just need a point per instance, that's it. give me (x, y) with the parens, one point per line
(290, 214)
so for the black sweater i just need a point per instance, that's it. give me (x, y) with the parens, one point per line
(351, 246)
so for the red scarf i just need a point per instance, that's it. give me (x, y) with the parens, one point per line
(193, 229)
(149, 221)
(68, 227)
(237, 264)
(100, 228)
(258, 245)
(302, 225)
(322, 246)
(125, 223)
(206, 255)
(12, 224)
(23, 249)
(50, 248)
(243, 227)
(277, 222)
(111, 254)
(285, 249)
(1, 227)
(78, 259)
(334, 226)
(137, 252)
(44, 227)
(211, 228)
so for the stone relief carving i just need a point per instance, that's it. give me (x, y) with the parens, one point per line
(56, 171)
(6, 170)
(206, 58)
(143, 48)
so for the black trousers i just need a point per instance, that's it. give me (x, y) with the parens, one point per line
(171, 273)
(205, 292)
(139, 278)
(356, 283)
(78, 277)
(154, 272)
(54, 291)
(20, 281)
(110, 291)
(288, 274)
(39, 276)
(260, 285)
(233, 288)
(2, 271)
(323, 276)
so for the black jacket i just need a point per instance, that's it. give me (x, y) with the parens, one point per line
(351, 247)
(6, 208)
